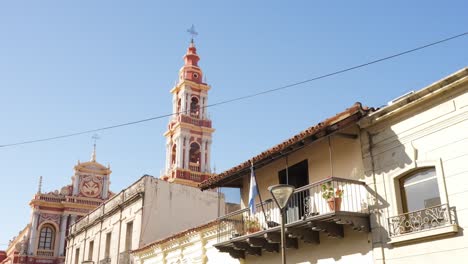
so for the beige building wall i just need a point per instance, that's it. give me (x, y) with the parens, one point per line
(428, 128)
(345, 162)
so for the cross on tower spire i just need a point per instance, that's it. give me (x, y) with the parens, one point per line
(192, 32)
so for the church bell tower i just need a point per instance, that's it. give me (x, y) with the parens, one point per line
(189, 134)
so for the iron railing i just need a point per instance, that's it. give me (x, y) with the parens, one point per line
(318, 199)
(421, 220)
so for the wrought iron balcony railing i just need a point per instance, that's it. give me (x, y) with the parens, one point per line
(425, 219)
(314, 201)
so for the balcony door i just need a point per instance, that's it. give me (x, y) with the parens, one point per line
(297, 176)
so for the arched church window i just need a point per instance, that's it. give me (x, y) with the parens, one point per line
(46, 237)
(419, 190)
(194, 107)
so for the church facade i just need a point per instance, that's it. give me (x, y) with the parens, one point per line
(43, 240)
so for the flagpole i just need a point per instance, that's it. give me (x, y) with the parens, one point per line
(258, 191)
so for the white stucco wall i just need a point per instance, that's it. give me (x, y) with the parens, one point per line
(176, 207)
(160, 210)
(432, 131)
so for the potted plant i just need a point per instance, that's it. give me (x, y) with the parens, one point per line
(332, 196)
(252, 225)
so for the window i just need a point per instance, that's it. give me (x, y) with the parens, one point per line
(128, 237)
(46, 237)
(90, 250)
(108, 244)
(77, 255)
(419, 190)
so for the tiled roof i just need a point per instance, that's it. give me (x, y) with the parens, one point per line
(319, 130)
(175, 236)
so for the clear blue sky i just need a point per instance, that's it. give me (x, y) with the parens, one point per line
(66, 67)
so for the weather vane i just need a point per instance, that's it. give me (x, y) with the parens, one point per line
(192, 32)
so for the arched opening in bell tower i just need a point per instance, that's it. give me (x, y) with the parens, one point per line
(194, 107)
(173, 154)
(178, 106)
(194, 156)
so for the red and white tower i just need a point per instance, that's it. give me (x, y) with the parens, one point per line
(189, 134)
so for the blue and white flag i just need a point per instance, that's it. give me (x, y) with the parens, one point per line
(253, 191)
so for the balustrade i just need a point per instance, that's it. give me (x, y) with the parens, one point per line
(314, 201)
(421, 220)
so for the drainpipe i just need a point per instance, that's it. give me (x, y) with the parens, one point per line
(379, 220)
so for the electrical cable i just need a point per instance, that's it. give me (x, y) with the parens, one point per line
(240, 97)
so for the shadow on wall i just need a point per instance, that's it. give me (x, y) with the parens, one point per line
(387, 154)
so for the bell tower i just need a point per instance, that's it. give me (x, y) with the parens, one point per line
(189, 134)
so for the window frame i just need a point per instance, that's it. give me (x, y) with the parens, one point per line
(401, 182)
(397, 195)
(52, 237)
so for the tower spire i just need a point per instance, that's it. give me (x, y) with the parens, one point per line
(93, 155)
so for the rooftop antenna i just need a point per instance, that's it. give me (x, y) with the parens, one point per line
(192, 32)
(95, 137)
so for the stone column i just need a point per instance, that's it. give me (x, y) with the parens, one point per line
(204, 100)
(183, 102)
(187, 151)
(208, 155)
(33, 234)
(63, 230)
(202, 155)
(179, 152)
(174, 105)
(168, 157)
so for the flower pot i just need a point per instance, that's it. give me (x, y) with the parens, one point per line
(252, 230)
(334, 204)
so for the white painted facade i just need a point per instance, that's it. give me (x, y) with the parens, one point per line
(190, 246)
(153, 208)
(426, 129)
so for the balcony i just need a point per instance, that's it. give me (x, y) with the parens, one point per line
(193, 166)
(45, 253)
(432, 221)
(311, 210)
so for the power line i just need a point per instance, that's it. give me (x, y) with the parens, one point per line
(241, 97)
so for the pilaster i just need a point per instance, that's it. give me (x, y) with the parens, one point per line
(33, 235)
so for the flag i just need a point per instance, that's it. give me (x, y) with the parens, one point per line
(253, 190)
